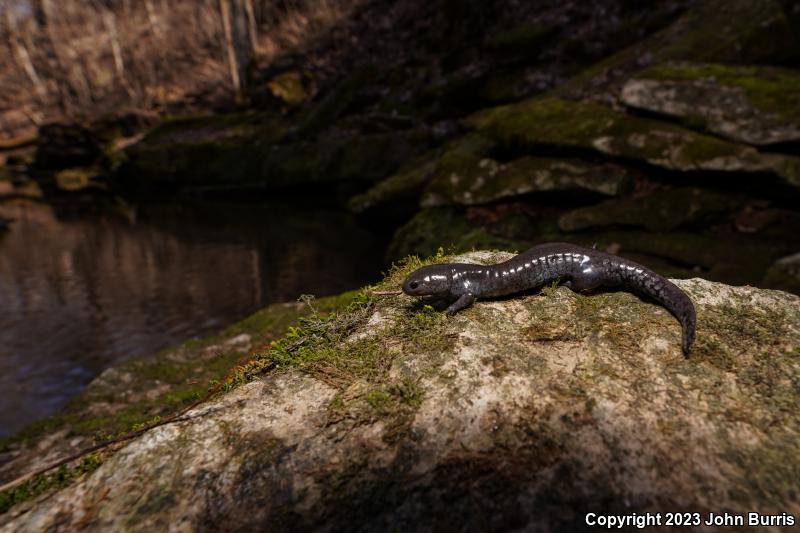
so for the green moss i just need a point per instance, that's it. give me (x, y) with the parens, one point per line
(769, 89)
(294, 87)
(445, 227)
(660, 211)
(752, 32)
(484, 180)
(522, 40)
(197, 128)
(253, 162)
(43, 483)
(588, 126)
(324, 347)
(405, 185)
(183, 372)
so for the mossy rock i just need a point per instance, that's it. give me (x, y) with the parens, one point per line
(661, 211)
(444, 227)
(78, 179)
(203, 129)
(141, 391)
(322, 114)
(460, 154)
(718, 258)
(784, 274)
(521, 40)
(522, 413)
(247, 162)
(554, 122)
(756, 105)
(719, 31)
(484, 180)
(293, 88)
(398, 192)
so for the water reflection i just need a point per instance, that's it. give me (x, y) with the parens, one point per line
(79, 294)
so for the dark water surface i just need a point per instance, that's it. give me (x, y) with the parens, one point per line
(79, 294)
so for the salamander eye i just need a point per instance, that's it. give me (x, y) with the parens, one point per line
(414, 284)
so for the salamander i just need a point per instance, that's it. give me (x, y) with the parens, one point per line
(580, 269)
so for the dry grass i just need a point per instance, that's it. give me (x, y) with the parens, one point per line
(80, 59)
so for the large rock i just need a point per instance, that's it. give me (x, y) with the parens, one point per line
(719, 31)
(756, 105)
(526, 413)
(251, 150)
(661, 211)
(784, 273)
(487, 180)
(61, 146)
(136, 392)
(562, 123)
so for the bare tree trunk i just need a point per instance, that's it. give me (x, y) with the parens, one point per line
(21, 53)
(251, 26)
(238, 44)
(64, 77)
(152, 18)
(110, 22)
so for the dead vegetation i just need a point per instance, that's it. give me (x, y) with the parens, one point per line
(83, 59)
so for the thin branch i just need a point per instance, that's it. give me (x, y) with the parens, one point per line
(127, 436)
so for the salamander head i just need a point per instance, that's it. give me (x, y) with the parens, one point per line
(428, 281)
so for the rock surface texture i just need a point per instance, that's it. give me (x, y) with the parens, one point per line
(756, 105)
(588, 126)
(524, 413)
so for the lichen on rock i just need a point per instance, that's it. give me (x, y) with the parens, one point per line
(589, 126)
(719, 31)
(525, 412)
(754, 104)
(485, 180)
(661, 211)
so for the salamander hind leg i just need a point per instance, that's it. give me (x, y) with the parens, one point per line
(583, 283)
(464, 301)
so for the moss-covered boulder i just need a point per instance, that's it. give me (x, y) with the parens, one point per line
(554, 122)
(250, 151)
(661, 211)
(460, 156)
(717, 257)
(526, 413)
(293, 87)
(487, 180)
(450, 228)
(62, 146)
(756, 105)
(784, 274)
(399, 191)
(78, 179)
(142, 391)
(719, 31)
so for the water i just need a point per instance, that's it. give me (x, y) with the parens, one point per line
(79, 294)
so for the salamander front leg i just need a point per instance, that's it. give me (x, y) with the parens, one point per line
(464, 301)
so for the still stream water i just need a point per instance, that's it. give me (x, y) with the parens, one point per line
(79, 294)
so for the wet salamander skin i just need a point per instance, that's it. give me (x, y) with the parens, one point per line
(580, 269)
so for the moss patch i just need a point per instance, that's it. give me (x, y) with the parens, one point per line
(486, 180)
(124, 398)
(661, 211)
(445, 227)
(759, 105)
(255, 162)
(774, 89)
(589, 126)
(717, 30)
(43, 483)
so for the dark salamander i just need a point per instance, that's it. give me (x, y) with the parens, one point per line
(580, 269)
